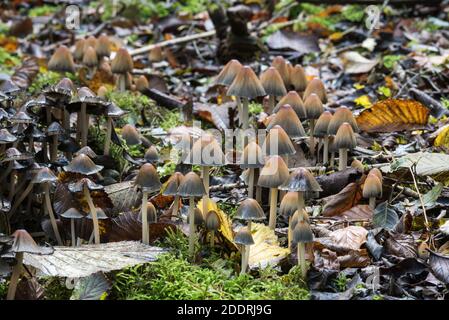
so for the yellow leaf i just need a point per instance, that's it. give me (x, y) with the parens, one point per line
(442, 139)
(336, 36)
(358, 86)
(363, 101)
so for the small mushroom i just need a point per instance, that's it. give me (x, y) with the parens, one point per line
(314, 109)
(148, 180)
(302, 234)
(142, 84)
(102, 92)
(316, 86)
(5, 138)
(320, 131)
(252, 159)
(298, 78)
(190, 187)
(277, 143)
(151, 155)
(95, 216)
(171, 189)
(286, 118)
(289, 204)
(82, 164)
(112, 112)
(357, 164)
(72, 214)
(62, 61)
(372, 189)
(212, 224)
(244, 238)
(272, 175)
(341, 115)
(103, 47)
(227, 76)
(78, 53)
(293, 99)
(198, 219)
(281, 66)
(344, 140)
(90, 60)
(273, 84)
(121, 65)
(130, 135)
(54, 130)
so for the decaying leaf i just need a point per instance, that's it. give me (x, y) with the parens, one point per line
(355, 63)
(93, 287)
(441, 137)
(355, 259)
(385, 216)
(302, 43)
(440, 266)
(393, 115)
(343, 201)
(350, 237)
(401, 245)
(219, 115)
(124, 196)
(359, 212)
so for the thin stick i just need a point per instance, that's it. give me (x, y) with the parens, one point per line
(144, 211)
(191, 226)
(273, 208)
(51, 213)
(93, 211)
(15, 277)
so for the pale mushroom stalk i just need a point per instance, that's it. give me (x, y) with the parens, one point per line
(107, 142)
(271, 102)
(205, 174)
(239, 108)
(145, 235)
(54, 148)
(273, 207)
(121, 82)
(93, 211)
(258, 188)
(243, 254)
(342, 159)
(15, 276)
(301, 203)
(302, 258)
(245, 114)
(251, 183)
(12, 185)
(72, 231)
(51, 213)
(332, 160)
(19, 201)
(246, 252)
(326, 150)
(175, 207)
(312, 138)
(191, 226)
(212, 238)
(83, 123)
(372, 202)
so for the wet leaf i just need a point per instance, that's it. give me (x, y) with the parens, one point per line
(93, 287)
(359, 212)
(401, 245)
(124, 196)
(284, 39)
(343, 201)
(440, 266)
(373, 246)
(385, 216)
(350, 237)
(355, 259)
(393, 115)
(355, 63)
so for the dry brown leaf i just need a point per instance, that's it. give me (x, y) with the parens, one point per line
(393, 115)
(355, 259)
(343, 201)
(350, 237)
(359, 212)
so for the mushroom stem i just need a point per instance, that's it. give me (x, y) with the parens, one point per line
(251, 183)
(243, 254)
(48, 114)
(175, 208)
(107, 141)
(372, 203)
(191, 226)
(342, 159)
(312, 138)
(30, 145)
(45, 150)
(83, 125)
(121, 84)
(54, 148)
(239, 109)
(19, 201)
(206, 187)
(245, 115)
(247, 248)
(78, 126)
(72, 232)
(289, 233)
(94, 214)
(65, 119)
(145, 235)
(15, 277)
(273, 207)
(12, 185)
(332, 160)
(271, 102)
(301, 203)
(302, 259)
(51, 213)
(326, 150)
(258, 188)
(212, 238)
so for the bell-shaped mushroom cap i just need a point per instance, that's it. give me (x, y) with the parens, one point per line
(44, 175)
(272, 82)
(278, 143)
(130, 135)
(61, 60)
(252, 156)
(23, 242)
(274, 173)
(198, 218)
(102, 92)
(21, 117)
(332, 147)
(100, 214)
(316, 86)
(72, 213)
(13, 154)
(78, 53)
(55, 129)
(91, 41)
(246, 84)
(302, 233)
(6, 136)
(345, 138)
(172, 185)
(301, 180)
(142, 83)
(250, 209)
(82, 164)
(244, 237)
(122, 62)
(103, 46)
(281, 66)
(78, 186)
(340, 116)
(293, 99)
(372, 188)
(206, 151)
(228, 73)
(322, 124)
(156, 54)
(299, 216)
(314, 106)
(376, 172)
(357, 164)
(298, 78)
(151, 155)
(113, 111)
(212, 221)
(4, 114)
(289, 204)
(87, 151)
(9, 88)
(90, 58)
(191, 186)
(148, 179)
(289, 121)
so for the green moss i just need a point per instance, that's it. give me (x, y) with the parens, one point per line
(55, 288)
(167, 169)
(7, 61)
(255, 108)
(3, 289)
(228, 208)
(353, 13)
(43, 80)
(389, 61)
(341, 282)
(170, 119)
(43, 10)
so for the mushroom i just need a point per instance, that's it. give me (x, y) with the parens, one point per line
(121, 65)
(171, 189)
(58, 96)
(289, 204)
(142, 84)
(78, 53)
(281, 66)
(148, 180)
(344, 141)
(99, 215)
(130, 135)
(72, 214)
(372, 189)
(23, 242)
(341, 115)
(112, 112)
(103, 47)
(278, 143)
(252, 158)
(198, 218)
(356, 164)
(314, 109)
(244, 238)
(302, 234)
(54, 130)
(227, 76)
(286, 118)
(90, 60)
(320, 131)
(13, 155)
(293, 99)
(87, 151)
(272, 175)
(273, 84)
(155, 54)
(212, 224)
(191, 186)
(151, 155)
(298, 78)
(316, 86)
(249, 210)
(247, 86)
(5, 138)
(377, 172)
(61, 61)
(91, 41)
(102, 92)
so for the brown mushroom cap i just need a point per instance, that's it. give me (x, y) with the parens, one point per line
(372, 188)
(212, 221)
(298, 78)
(274, 173)
(228, 73)
(148, 179)
(252, 156)
(314, 106)
(293, 99)
(103, 46)
(79, 49)
(345, 138)
(72, 213)
(322, 124)
(61, 60)
(301, 180)
(87, 151)
(286, 118)
(198, 218)
(23, 242)
(122, 62)
(44, 175)
(172, 185)
(101, 215)
(250, 209)
(90, 58)
(281, 66)
(299, 216)
(272, 82)
(78, 186)
(54, 129)
(340, 116)
(82, 164)
(191, 186)
(356, 164)
(130, 135)
(142, 83)
(151, 155)
(377, 172)
(91, 41)
(302, 233)
(206, 151)
(156, 54)
(278, 143)
(246, 84)
(102, 92)
(289, 204)
(244, 237)
(316, 86)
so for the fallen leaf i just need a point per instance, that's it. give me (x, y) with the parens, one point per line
(355, 259)
(359, 212)
(401, 245)
(440, 266)
(385, 216)
(350, 237)
(343, 201)
(441, 137)
(393, 115)
(302, 43)
(218, 115)
(355, 63)
(92, 287)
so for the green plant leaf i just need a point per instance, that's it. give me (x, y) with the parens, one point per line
(92, 287)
